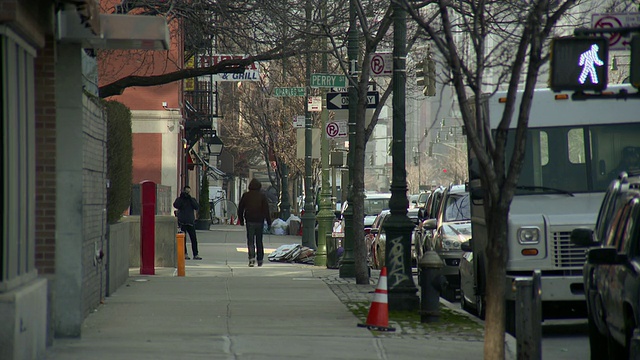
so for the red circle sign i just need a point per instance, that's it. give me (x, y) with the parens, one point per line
(610, 22)
(332, 129)
(377, 64)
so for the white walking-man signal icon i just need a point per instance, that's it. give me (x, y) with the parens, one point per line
(589, 60)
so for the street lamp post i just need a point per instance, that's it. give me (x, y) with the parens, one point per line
(309, 217)
(402, 290)
(348, 265)
(325, 215)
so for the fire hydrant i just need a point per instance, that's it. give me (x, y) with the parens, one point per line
(430, 280)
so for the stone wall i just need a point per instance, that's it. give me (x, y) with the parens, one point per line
(117, 256)
(165, 249)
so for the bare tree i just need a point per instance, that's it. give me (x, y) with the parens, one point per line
(518, 32)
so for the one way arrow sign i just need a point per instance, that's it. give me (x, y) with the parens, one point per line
(340, 101)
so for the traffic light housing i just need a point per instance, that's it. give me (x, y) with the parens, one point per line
(635, 62)
(420, 74)
(426, 76)
(579, 63)
(430, 89)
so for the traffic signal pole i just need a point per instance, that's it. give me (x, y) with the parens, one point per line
(402, 290)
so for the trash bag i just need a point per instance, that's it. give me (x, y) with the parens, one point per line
(279, 227)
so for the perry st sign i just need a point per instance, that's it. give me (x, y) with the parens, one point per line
(328, 81)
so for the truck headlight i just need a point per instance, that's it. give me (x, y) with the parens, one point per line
(528, 235)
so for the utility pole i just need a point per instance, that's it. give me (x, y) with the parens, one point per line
(325, 215)
(285, 203)
(402, 290)
(309, 217)
(348, 266)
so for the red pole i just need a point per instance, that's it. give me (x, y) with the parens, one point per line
(148, 228)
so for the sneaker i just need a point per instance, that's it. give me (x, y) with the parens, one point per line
(197, 257)
(259, 263)
(186, 257)
(252, 262)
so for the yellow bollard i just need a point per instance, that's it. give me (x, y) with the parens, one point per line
(180, 245)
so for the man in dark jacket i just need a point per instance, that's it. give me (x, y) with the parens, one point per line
(187, 206)
(254, 210)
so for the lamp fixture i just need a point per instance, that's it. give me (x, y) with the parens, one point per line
(214, 144)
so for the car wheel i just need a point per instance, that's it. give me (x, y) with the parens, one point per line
(464, 304)
(598, 343)
(510, 320)
(448, 292)
(481, 306)
(616, 350)
(634, 347)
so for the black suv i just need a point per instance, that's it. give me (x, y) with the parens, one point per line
(612, 270)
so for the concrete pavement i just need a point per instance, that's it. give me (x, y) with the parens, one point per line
(223, 309)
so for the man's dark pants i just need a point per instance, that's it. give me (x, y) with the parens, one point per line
(191, 230)
(254, 241)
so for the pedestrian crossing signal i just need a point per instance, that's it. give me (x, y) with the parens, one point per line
(579, 63)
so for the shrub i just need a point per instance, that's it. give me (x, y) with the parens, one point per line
(203, 210)
(119, 159)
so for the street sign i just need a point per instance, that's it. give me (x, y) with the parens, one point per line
(288, 91)
(299, 121)
(315, 103)
(336, 129)
(328, 80)
(613, 20)
(381, 64)
(370, 88)
(340, 101)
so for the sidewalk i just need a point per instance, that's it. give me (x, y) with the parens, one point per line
(223, 309)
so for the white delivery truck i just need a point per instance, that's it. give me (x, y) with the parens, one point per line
(574, 148)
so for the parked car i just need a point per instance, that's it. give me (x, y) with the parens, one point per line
(428, 210)
(611, 273)
(376, 240)
(422, 198)
(416, 254)
(374, 203)
(452, 227)
(413, 200)
(469, 301)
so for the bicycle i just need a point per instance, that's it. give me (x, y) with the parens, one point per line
(227, 209)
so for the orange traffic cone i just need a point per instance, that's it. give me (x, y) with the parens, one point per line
(378, 318)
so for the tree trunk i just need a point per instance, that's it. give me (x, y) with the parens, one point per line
(496, 285)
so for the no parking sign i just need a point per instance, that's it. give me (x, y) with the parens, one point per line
(611, 21)
(336, 129)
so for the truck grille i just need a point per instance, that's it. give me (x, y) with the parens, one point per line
(566, 254)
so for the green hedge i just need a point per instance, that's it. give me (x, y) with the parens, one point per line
(203, 209)
(119, 159)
